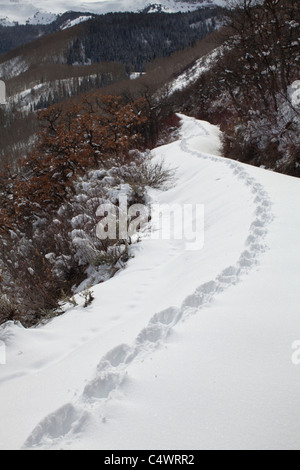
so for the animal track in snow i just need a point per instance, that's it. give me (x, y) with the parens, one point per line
(103, 384)
(67, 419)
(112, 370)
(115, 357)
(167, 317)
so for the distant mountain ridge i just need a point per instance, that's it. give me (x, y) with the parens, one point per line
(45, 64)
(46, 11)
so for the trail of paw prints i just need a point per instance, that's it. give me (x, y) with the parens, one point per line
(255, 245)
(68, 422)
(112, 374)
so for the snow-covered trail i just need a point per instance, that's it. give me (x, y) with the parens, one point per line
(97, 367)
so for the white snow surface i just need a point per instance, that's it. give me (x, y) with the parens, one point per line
(183, 349)
(34, 12)
(294, 90)
(71, 23)
(194, 73)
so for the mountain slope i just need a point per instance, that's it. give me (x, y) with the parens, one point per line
(40, 73)
(184, 349)
(45, 11)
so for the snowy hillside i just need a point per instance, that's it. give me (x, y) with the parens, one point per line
(22, 12)
(190, 76)
(183, 349)
(45, 11)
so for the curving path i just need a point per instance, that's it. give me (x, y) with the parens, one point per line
(238, 215)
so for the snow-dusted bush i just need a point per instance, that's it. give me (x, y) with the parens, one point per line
(271, 140)
(61, 254)
(85, 158)
(249, 89)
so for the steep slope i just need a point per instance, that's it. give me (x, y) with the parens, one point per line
(184, 349)
(119, 37)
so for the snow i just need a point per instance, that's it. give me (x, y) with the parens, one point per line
(42, 17)
(25, 12)
(6, 22)
(13, 68)
(45, 10)
(194, 73)
(135, 75)
(183, 349)
(294, 91)
(29, 97)
(80, 19)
